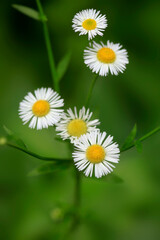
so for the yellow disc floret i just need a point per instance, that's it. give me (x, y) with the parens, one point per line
(76, 127)
(106, 55)
(41, 108)
(89, 24)
(95, 153)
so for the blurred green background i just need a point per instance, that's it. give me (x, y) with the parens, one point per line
(114, 211)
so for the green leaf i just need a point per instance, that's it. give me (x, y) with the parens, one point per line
(63, 65)
(130, 139)
(138, 146)
(29, 12)
(49, 168)
(12, 137)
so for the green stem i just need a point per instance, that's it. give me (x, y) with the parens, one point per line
(77, 194)
(76, 205)
(91, 90)
(36, 155)
(48, 46)
(77, 200)
(143, 138)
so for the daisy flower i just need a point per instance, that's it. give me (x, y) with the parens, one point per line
(41, 109)
(72, 125)
(94, 154)
(103, 58)
(89, 21)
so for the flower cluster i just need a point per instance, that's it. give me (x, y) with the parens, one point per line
(100, 58)
(95, 153)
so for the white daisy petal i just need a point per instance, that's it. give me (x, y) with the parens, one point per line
(95, 154)
(73, 124)
(89, 170)
(33, 122)
(103, 59)
(89, 22)
(42, 110)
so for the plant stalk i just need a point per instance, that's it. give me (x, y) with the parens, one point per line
(91, 90)
(76, 205)
(77, 198)
(147, 135)
(49, 47)
(36, 155)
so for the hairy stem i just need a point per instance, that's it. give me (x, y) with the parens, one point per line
(147, 135)
(48, 46)
(91, 90)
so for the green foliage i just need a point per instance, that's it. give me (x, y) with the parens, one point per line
(138, 146)
(13, 141)
(63, 65)
(13, 138)
(29, 12)
(49, 168)
(130, 139)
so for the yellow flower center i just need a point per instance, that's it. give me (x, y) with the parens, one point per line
(89, 24)
(95, 153)
(41, 108)
(76, 127)
(106, 55)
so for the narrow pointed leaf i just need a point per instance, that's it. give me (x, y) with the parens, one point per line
(49, 168)
(130, 139)
(12, 137)
(63, 65)
(32, 13)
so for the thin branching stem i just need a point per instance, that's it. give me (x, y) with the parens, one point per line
(77, 198)
(147, 135)
(37, 155)
(76, 205)
(49, 47)
(77, 192)
(91, 90)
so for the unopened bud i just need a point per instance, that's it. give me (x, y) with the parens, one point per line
(57, 214)
(3, 141)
